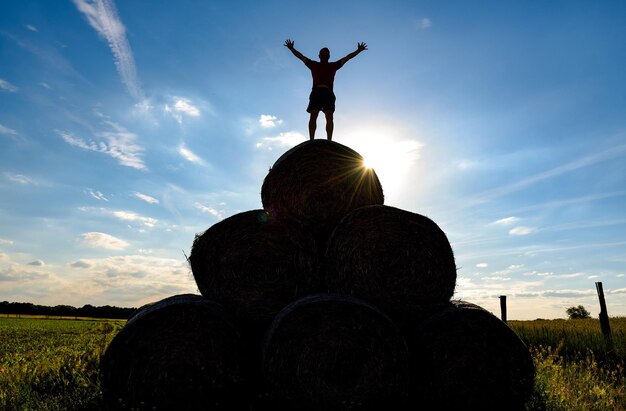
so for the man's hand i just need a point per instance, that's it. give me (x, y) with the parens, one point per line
(289, 43)
(360, 47)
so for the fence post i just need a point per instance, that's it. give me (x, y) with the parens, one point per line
(503, 307)
(604, 317)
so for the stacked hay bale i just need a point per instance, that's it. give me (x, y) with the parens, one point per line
(318, 182)
(332, 352)
(334, 302)
(182, 353)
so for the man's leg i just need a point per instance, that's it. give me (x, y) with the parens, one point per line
(313, 123)
(330, 125)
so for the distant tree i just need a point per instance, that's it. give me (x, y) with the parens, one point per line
(575, 313)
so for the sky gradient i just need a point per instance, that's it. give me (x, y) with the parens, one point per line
(128, 127)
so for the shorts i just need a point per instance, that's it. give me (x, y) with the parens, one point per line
(321, 99)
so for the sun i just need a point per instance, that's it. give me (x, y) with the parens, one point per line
(389, 154)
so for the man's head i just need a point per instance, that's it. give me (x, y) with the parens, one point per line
(324, 55)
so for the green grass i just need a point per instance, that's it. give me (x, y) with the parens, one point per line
(52, 364)
(575, 369)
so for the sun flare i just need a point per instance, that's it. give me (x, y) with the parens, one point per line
(389, 154)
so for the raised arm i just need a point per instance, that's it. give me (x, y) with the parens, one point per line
(360, 48)
(289, 45)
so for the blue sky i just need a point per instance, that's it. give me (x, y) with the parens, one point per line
(128, 127)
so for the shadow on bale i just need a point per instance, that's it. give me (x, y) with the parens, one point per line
(181, 353)
(330, 352)
(254, 265)
(319, 181)
(400, 261)
(466, 358)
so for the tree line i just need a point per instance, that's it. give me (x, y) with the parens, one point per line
(87, 310)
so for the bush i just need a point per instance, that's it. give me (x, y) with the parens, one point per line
(575, 313)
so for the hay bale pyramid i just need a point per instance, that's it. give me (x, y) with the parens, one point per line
(325, 299)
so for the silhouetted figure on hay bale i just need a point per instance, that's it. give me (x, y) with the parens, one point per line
(322, 97)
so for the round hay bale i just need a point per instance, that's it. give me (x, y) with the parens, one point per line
(331, 352)
(466, 358)
(399, 261)
(254, 264)
(319, 181)
(180, 353)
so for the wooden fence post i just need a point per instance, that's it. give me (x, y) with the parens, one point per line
(503, 307)
(604, 318)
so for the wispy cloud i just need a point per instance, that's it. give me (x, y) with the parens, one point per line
(102, 16)
(116, 142)
(269, 121)
(521, 230)
(554, 172)
(134, 217)
(97, 195)
(103, 240)
(209, 210)
(7, 131)
(6, 242)
(180, 107)
(288, 139)
(31, 28)
(482, 265)
(19, 178)
(189, 155)
(147, 198)
(6, 86)
(506, 221)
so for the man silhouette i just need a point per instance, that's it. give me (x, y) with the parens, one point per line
(322, 97)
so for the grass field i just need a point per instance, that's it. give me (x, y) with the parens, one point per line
(575, 370)
(52, 364)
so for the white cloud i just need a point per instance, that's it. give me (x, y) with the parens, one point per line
(591, 277)
(521, 230)
(620, 275)
(102, 240)
(134, 217)
(424, 23)
(116, 142)
(37, 263)
(506, 221)
(482, 265)
(269, 121)
(4, 256)
(209, 210)
(288, 139)
(189, 155)
(6, 242)
(45, 85)
(97, 195)
(102, 16)
(15, 273)
(6, 86)
(80, 264)
(147, 198)
(515, 266)
(31, 27)
(7, 131)
(19, 178)
(181, 106)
